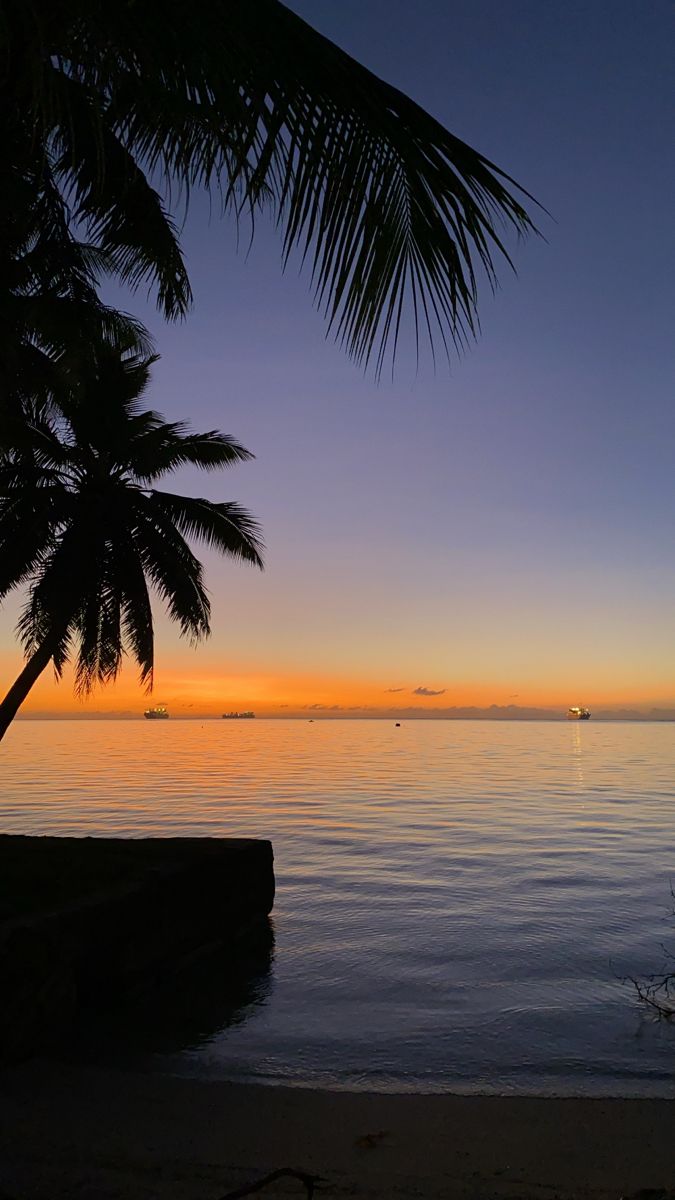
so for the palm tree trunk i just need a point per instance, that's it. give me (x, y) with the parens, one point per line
(16, 695)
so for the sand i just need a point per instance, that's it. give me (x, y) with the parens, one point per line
(73, 1131)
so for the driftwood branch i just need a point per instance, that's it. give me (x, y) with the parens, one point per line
(657, 991)
(309, 1182)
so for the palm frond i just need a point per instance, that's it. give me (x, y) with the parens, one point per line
(121, 331)
(226, 527)
(34, 454)
(58, 583)
(98, 629)
(137, 623)
(164, 447)
(102, 406)
(122, 213)
(36, 626)
(172, 569)
(26, 538)
(50, 311)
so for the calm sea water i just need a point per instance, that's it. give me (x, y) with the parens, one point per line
(456, 900)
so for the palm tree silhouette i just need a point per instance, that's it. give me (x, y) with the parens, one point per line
(84, 527)
(101, 104)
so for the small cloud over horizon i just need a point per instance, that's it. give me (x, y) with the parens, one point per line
(425, 691)
(401, 689)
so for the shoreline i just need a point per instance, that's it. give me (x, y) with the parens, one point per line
(336, 1086)
(104, 1134)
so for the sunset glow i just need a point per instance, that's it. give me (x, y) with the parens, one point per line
(209, 691)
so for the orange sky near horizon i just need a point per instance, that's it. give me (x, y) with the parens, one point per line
(210, 689)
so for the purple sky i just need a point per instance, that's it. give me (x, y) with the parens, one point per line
(508, 524)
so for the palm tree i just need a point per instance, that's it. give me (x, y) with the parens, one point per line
(84, 527)
(245, 99)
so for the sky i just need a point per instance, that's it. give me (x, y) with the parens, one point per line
(495, 533)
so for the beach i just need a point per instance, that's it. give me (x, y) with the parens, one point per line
(75, 1131)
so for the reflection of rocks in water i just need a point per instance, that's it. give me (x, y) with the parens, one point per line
(219, 989)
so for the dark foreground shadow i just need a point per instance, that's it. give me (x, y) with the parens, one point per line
(217, 991)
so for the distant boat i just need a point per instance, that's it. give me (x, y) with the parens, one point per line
(238, 716)
(158, 713)
(578, 714)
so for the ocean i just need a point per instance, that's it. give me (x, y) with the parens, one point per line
(458, 902)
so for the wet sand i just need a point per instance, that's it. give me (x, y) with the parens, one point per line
(91, 1133)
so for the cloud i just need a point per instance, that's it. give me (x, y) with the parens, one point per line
(324, 707)
(425, 691)
(401, 689)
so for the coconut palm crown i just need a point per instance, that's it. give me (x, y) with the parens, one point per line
(85, 529)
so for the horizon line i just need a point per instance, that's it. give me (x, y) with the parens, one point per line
(654, 715)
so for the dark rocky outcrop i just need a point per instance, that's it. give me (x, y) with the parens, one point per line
(86, 922)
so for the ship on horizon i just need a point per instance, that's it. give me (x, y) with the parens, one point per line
(158, 713)
(238, 716)
(578, 713)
